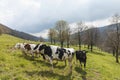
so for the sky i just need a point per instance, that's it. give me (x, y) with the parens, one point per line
(37, 16)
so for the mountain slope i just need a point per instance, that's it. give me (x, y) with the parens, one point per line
(15, 66)
(7, 30)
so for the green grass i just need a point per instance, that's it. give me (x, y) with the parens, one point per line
(15, 66)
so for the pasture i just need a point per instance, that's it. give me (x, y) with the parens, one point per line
(15, 66)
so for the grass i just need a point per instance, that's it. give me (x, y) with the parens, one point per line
(15, 66)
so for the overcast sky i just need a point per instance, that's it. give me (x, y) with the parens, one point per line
(37, 16)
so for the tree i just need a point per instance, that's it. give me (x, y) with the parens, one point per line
(116, 41)
(50, 33)
(41, 39)
(54, 35)
(92, 36)
(0, 31)
(61, 28)
(109, 42)
(68, 32)
(80, 27)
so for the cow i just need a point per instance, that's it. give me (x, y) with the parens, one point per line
(21, 47)
(29, 48)
(56, 53)
(81, 56)
(26, 48)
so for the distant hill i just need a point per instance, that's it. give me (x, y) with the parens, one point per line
(23, 35)
(105, 29)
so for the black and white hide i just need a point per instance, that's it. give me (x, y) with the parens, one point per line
(56, 53)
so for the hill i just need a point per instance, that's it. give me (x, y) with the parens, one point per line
(23, 35)
(15, 66)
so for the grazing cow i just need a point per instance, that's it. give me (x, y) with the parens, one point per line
(21, 47)
(56, 53)
(30, 48)
(81, 56)
(26, 48)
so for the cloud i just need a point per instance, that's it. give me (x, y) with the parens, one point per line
(43, 34)
(19, 14)
(34, 16)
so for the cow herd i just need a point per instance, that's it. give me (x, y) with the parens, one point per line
(52, 52)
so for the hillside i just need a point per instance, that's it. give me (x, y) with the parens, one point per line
(23, 35)
(15, 66)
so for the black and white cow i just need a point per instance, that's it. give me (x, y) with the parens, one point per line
(26, 48)
(81, 56)
(29, 48)
(56, 53)
(21, 47)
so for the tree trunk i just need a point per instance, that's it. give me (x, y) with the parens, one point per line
(88, 46)
(117, 47)
(117, 56)
(91, 47)
(51, 40)
(54, 42)
(62, 44)
(113, 52)
(67, 44)
(79, 43)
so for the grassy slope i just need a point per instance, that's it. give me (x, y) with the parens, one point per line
(15, 66)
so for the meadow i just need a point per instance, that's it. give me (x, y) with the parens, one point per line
(15, 66)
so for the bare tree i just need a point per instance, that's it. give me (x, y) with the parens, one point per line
(61, 27)
(91, 37)
(80, 27)
(68, 33)
(0, 31)
(109, 42)
(52, 35)
(116, 41)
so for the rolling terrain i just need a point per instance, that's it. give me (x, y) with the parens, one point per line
(15, 66)
(19, 34)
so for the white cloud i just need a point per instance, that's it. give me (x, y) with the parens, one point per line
(18, 14)
(99, 23)
(43, 34)
(96, 23)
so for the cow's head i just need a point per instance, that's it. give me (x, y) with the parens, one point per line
(17, 46)
(27, 46)
(42, 46)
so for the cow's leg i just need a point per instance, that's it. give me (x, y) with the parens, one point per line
(80, 63)
(32, 54)
(70, 64)
(36, 54)
(84, 64)
(65, 63)
(43, 56)
(51, 62)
